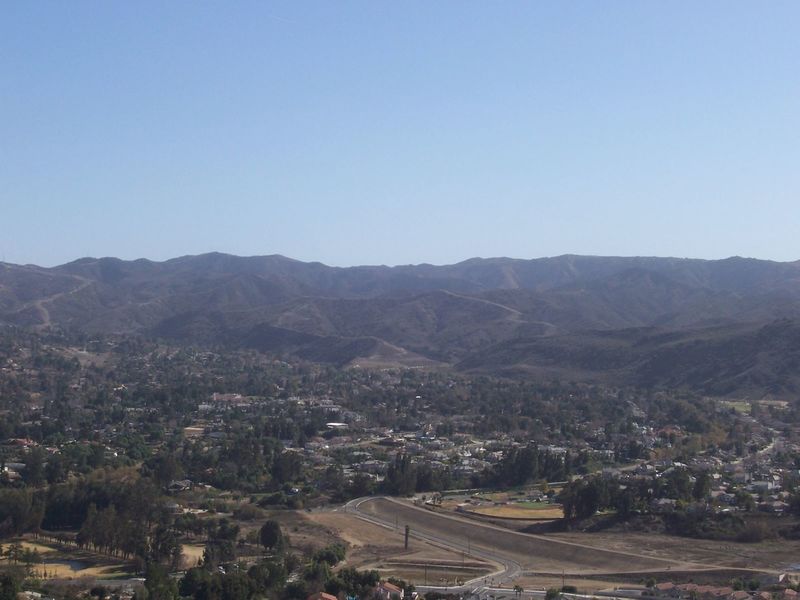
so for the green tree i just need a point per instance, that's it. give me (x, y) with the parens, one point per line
(165, 548)
(745, 501)
(236, 586)
(702, 486)
(14, 552)
(192, 581)
(217, 552)
(401, 477)
(270, 536)
(361, 485)
(34, 473)
(10, 586)
(159, 585)
(677, 484)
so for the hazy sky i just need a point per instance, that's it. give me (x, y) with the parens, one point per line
(399, 132)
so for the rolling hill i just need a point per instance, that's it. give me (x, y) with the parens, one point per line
(721, 327)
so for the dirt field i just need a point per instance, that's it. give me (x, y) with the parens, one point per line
(374, 547)
(535, 553)
(192, 553)
(430, 574)
(770, 555)
(305, 533)
(584, 585)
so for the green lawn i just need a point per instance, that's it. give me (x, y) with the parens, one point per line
(739, 406)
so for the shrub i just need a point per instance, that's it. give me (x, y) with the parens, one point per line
(248, 512)
(754, 532)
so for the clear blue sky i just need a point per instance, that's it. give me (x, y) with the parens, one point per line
(399, 132)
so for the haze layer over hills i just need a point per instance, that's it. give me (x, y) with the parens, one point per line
(724, 327)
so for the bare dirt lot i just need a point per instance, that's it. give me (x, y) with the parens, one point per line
(371, 546)
(423, 573)
(770, 555)
(583, 584)
(192, 554)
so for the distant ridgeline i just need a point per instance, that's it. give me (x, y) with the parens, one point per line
(725, 327)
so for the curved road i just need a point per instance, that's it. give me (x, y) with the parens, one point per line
(504, 547)
(510, 570)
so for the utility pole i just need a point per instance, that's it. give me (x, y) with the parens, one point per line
(408, 530)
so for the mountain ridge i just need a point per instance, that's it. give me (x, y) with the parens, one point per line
(495, 315)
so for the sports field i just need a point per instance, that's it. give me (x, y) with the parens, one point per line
(533, 511)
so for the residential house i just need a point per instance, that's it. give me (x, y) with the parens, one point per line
(389, 591)
(322, 596)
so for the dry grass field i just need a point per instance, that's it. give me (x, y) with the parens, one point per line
(520, 511)
(59, 563)
(306, 533)
(192, 554)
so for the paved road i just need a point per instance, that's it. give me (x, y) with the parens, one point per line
(476, 539)
(509, 571)
(542, 553)
(497, 593)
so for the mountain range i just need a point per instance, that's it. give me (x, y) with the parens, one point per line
(720, 327)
